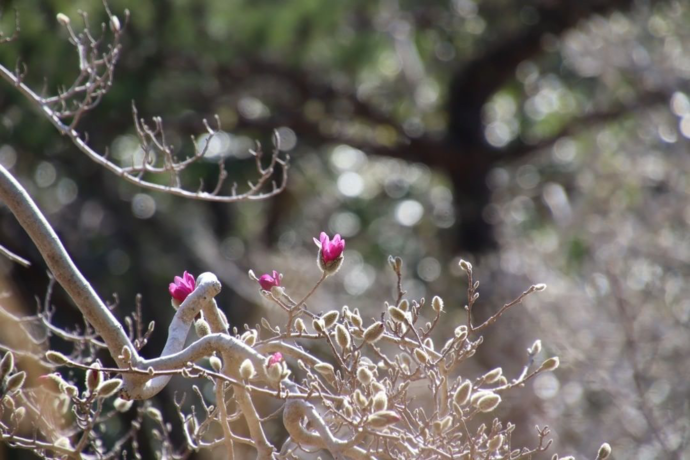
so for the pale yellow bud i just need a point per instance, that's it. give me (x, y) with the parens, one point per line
(63, 19)
(216, 363)
(342, 337)
(247, 370)
(360, 399)
(122, 405)
(364, 376)
(604, 451)
(437, 304)
(550, 364)
(202, 328)
(56, 358)
(109, 388)
(493, 375)
(15, 382)
(154, 414)
(330, 318)
(539, 287)
(465, 266)
(461, 332)
(421, 355)
(374, 332)
(382, 419)
(380, 401)
(396, 314)
(495, 443)
(462, 394)
(404, 305)
(488, 402)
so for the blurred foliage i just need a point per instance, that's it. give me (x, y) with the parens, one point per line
(581, 170)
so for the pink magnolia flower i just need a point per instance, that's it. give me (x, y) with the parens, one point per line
(275, 358)
(182, 287)
(330, 249)
(267, 281)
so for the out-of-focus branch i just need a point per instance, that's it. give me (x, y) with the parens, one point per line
(60, 264)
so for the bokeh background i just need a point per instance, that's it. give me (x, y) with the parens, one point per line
(542, 140)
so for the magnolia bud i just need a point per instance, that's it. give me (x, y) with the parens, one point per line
(216, 363)
(71, 390)
(15, 382)
(550, 364)
(109, 388)
(63, 19)
(495, 443)
(465, 266)
(355, 319)
(318, 326)
(247, 369)
(360, 399)
(374, 332)
(126, 354)
(376, 387)
(342, 337)
(330, 318)
(63, 443)
(347, 409)
(249, 337)
(462, 394)
(94, 377)
(535, 348)
(421, 356)
(275, 372)
(404, 305)
(488, 402)
(19, 415)
(154, 414)
(114, 24)
(325, 369)
(364, 376)
(539, 287)
(6, 365)
(122, 405)
(397, 314)
(329, 268)
(461, 332)
(382, 419)
(437, 304)
(604, 451)
(56, 358)
(380, 401)
(252, 276)
(492, 376)
(299, 325)
(202, 328)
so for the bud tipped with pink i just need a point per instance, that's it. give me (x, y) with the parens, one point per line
(267, 281)
(275, 358)
(182, 287)
(331, 253)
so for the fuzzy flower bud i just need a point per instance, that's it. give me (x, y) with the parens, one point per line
(364, 376)
(461, 332)
(421, 355)
(182, 287)
(495, 443)
(437, 304)
(19, 415)
(550, 364)
(396, 314)
(94, 377)
(330, 256)
(247, 370)
(63, 19)
(493, 375)
(535, 348)
(404, 305)
(202, 328)
(374, 332)
(462, 394)
(604, 451)
(318, 326)
(154, 414)
(56, 358)
(122, 405)
(115, 24)
(382, 419)
(330, 318)
(539, 287)
(15, 382)
(299, 325)
(488, 402)
(342, 337)
(216, 363)
(109, 388)
(325, 369)
(465, 266)
(6, 365)
(380, 401)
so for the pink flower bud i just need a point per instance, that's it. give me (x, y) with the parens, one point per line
(330, 249)
(182, 287)
(275, 358)
(267, 281)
